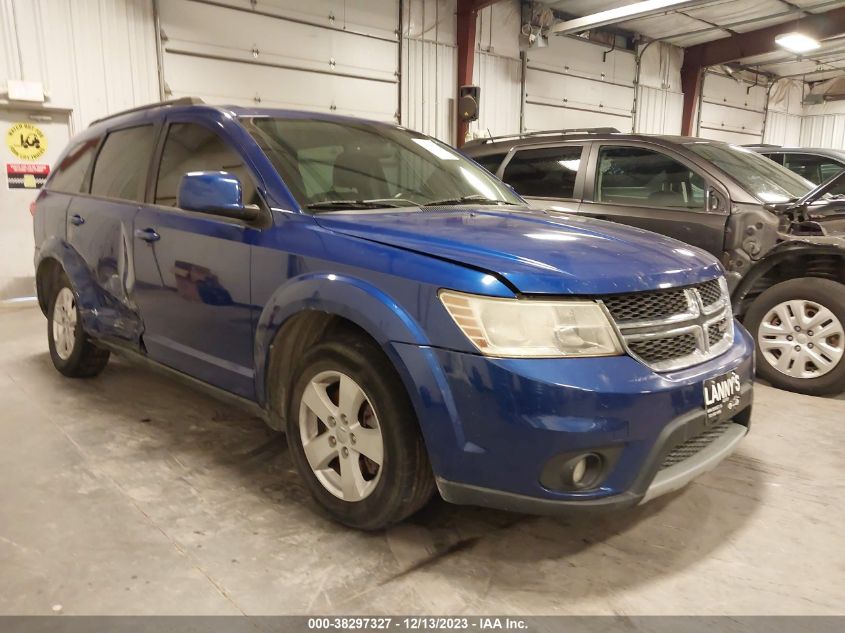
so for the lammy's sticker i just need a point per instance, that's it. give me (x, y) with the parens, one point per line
(26, 141)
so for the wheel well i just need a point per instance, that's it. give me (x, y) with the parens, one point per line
(296, 335)
(45, 281)
(823, 266)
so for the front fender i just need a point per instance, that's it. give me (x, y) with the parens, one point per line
(102, 316)
(349, 297)
(815, 246)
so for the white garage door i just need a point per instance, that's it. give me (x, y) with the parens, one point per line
(574, 84)
(323, 55)
(732, 111)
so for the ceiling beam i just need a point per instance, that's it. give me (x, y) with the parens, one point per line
(751, 43)
(697, 58)
(621, 14)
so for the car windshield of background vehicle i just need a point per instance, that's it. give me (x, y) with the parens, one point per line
(763, 178)
(330, 165)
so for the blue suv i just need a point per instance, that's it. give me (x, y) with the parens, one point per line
(399, 312)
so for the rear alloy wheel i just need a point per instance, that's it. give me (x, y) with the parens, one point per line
(72, 352)
(800, 334)
(354, 437)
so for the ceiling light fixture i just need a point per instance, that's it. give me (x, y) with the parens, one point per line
(797, 42)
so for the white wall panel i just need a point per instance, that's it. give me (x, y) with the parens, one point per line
(329, 56)
(429, 68)
(658, 111)
(500, 81)
(429, 80)
(783, 129)
(93, 57)
(823, 131)
(575, 83)
(732, 110)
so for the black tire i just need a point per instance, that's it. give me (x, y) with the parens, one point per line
(85, 360)
(823, 292)
(405, 482)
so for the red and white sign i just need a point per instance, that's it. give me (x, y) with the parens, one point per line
(26, 175)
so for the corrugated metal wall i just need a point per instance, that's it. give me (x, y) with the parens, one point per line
(823, 125)
(659, 96)
(429, 68)
(93, 57)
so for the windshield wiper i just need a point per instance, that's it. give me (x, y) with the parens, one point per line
(353, 204)
(472, 198)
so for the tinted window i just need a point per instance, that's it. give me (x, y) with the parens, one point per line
(637, 176)
(192, 147)
(778, 158)
(69, 175)
(490, 162)
(121, 169)
(763, 178)
(814, 168)
(545, 173)
(329, 164)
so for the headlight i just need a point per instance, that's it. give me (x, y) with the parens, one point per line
(529, 328)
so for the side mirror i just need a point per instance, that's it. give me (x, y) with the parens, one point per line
(216, 193)
(713, 200)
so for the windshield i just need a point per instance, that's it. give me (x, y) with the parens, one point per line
(330, 165)
(761, 177)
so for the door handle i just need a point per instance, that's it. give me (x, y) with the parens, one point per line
(77, 220)
(148, 235)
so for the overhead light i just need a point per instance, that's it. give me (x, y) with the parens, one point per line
(797, 42)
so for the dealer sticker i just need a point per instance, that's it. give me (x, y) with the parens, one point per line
(722, 397)
(26, 175)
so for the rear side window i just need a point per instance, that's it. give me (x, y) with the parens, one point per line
(642, 177)
(193, 147)
(490, 162)
(69, 175)
(778, 158)
(814, 168)
(545, 173)
(121, 168)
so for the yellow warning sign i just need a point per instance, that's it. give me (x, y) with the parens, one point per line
(26, 141)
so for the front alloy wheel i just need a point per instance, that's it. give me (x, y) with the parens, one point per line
(802, 339)
(353, 434)
(341, 436)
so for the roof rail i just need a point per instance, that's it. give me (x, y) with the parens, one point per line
(581, 130)
(149, 106)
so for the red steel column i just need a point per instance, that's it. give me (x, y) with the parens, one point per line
(467, 15)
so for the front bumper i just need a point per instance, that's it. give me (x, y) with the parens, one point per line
(491, 425)
(654, 481)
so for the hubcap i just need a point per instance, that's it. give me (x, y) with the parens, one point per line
(801, 339)
(64, 323)
(341, 436)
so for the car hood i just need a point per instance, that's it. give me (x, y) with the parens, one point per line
(535, 252)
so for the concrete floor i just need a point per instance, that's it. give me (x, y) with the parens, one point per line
(130, 495)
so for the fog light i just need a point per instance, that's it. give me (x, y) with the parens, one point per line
(584, 471)
(579, 471)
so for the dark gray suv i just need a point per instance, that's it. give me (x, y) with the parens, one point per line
(816, 164)
(780, 238)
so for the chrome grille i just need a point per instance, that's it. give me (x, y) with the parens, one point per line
(687, 449)
(662, 349)
(676, 328)
(710, 292)
(646, 305)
